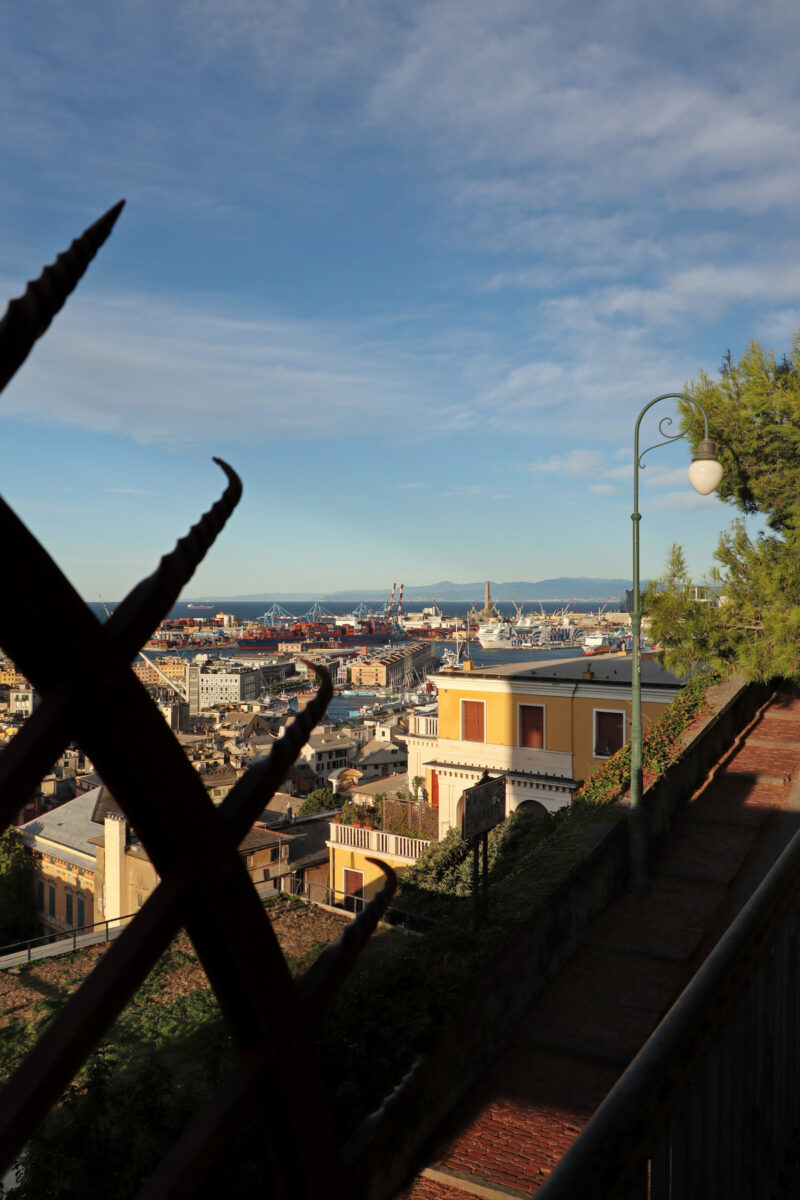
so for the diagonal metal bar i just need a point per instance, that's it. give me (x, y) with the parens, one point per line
(27, 317)
(333, 966)
(47, 732)
(134, 620)
(230, 967)
(90, 691)
(250, 794)
(60, 1051)
(188, 1161)
(183, 832)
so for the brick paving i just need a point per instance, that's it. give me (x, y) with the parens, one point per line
(577, 1036)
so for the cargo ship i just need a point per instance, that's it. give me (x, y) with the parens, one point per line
(335, 634)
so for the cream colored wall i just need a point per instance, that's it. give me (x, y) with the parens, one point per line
(65, 877)
(115, 828)
(141, 879)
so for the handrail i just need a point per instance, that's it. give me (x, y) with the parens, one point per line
(627, 1132)
(58, 936)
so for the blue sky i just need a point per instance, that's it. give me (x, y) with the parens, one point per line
(412, 268)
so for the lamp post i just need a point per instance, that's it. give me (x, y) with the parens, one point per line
(705, 474)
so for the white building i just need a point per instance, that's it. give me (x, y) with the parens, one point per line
(220, 683)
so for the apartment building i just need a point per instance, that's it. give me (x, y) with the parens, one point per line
(220, 683)
(395, 668)
(64, 850)
(326, 751)
(547, 725)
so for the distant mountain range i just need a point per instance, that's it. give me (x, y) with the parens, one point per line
(565, 588)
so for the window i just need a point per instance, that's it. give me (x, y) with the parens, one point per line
(81, 912)
(609, 732)
(472, 720)
(51, 900)
(531, 726)
(68, 899)
(40, 896)
(274, 853)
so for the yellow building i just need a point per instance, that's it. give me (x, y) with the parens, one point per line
(64, 861)
(173, 668)
(547, 725)
(353, 880)
(125, 876)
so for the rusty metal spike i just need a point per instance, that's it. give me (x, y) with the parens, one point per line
(251, 794)
(28, 316)
(134, 620)
(184, 1164)
(335, 963)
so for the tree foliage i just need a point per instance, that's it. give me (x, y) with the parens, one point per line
(754, 414)
(321, 800)
(17, 907)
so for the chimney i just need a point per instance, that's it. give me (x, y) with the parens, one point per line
(115, 829)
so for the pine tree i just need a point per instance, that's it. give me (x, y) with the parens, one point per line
(754, 413)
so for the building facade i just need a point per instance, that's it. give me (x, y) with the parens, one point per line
(396, 668)
(64, 852)
(547, 725)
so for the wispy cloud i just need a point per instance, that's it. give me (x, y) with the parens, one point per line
(685, 501)
(473, 489)
(181, 372)
(127, 492)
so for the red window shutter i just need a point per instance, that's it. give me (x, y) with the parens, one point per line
(473, 721)
(531, 726)
(609, 726)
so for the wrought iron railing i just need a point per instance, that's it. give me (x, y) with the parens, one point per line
(62, 942)
(91, 696)
(711, 1105)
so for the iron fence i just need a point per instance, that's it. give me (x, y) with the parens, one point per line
(711, 1105)
(91, 696)
(65, 940)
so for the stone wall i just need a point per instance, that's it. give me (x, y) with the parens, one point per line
(480, 1031)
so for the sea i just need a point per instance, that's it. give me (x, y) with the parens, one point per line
(249, 610)
(341, 707)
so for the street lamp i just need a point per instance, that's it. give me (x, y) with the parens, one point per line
(705, 474)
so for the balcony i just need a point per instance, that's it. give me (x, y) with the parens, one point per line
(375, 841)
(423, 725)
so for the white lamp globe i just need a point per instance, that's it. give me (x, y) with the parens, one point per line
(705, 471)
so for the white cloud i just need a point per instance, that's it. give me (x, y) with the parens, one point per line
(183, 373)
(574, 462)
(603, 489)
(685, 501)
